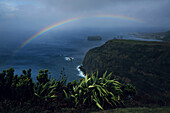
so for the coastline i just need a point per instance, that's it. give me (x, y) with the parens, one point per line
(81, 73)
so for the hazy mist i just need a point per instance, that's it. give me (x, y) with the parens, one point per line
(38, 14)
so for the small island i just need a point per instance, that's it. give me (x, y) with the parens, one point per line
(93, 38)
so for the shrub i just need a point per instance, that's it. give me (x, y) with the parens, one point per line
(90, 92)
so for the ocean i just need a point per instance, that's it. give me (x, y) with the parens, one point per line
(51, 50)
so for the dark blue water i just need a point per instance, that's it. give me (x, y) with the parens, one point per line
(49, 51)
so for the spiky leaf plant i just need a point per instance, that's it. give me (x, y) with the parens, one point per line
(95, 91)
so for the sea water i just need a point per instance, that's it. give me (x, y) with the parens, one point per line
(51, 51)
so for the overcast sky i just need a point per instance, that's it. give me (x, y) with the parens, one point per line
(38, 14)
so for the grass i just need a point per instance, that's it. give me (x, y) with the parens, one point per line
(137, 110)
(118, 110)
(134, 42)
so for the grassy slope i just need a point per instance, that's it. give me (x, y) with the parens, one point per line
(137, 110)
(144, 64)
(27, 109)
(121, 110)
(167, 36)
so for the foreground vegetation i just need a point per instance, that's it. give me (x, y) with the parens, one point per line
(21, 94)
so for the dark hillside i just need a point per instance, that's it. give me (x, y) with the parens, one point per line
(167, 36)
(144, 64)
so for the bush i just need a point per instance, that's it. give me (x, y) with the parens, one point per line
(90, 92)
(101, 92)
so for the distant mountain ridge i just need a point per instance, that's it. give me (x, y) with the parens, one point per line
(164, 36)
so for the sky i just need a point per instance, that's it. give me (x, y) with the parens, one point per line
(39, 14)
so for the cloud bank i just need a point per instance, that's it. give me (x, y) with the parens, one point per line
(37, 14)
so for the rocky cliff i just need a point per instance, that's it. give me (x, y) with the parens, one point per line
(144, 64)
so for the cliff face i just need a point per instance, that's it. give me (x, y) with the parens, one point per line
(126, 56)
(144, 64)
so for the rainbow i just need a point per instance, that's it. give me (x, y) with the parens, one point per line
(119, 17)
(61, 23)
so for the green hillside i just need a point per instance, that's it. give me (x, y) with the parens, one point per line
(144, 64)
(167, 36)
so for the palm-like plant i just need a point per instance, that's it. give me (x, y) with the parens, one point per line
(96, 91)
(50, 89)
(45, 91)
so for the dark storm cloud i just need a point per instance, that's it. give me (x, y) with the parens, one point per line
(45, 12)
